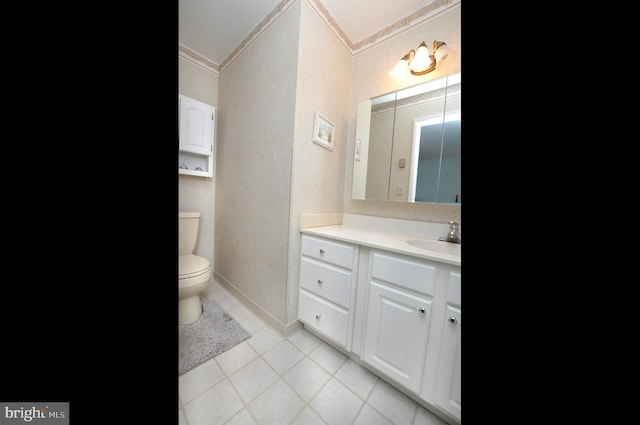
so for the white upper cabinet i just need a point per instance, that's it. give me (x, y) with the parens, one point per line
(196, 126)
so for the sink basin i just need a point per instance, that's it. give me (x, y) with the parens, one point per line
(437, 246)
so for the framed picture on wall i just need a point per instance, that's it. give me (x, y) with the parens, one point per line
(324, 132)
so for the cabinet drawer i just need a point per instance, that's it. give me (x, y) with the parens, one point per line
(326, 318)
(404, 272)
(332, 252)
(324, 280)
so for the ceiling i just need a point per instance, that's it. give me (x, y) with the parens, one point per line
(215, 28)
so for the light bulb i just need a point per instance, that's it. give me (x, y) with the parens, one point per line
(441, 52)
(421, 61)
(401, 69)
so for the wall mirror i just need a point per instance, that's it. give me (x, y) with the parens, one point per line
(408, 144)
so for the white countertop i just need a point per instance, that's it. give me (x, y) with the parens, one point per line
(445, 252)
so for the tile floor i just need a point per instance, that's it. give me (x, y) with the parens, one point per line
(301, 380)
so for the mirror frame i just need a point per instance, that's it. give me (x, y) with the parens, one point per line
(398, 184)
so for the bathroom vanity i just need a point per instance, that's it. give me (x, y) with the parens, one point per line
(388, 294)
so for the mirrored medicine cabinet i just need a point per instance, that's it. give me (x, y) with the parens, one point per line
(408, 144)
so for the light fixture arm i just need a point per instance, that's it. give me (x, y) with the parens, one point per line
(419, 61)
(432, 66)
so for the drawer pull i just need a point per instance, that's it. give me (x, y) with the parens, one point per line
(322, 251)
(318, 316)
(422, 310)
(453, 320)
(320, 282)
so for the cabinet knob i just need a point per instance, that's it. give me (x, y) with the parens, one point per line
(422, 310)
(321, 250)
(453, 320)
(320, 282)
(318, 316)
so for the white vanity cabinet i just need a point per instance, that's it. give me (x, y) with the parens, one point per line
(447, 388)
(327, 287)
(196, 137)
(395, 310)
(397, 319)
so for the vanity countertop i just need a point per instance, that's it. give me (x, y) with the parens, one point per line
(445, 252)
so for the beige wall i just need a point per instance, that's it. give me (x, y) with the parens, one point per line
(198, 193)
(267, 171)
(323, 85)
(253, 170)
(370, 78)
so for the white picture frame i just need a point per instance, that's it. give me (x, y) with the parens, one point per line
(324, 132)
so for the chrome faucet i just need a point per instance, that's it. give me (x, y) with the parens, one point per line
(452, 235)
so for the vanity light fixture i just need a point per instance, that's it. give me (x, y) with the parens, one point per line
(420, 62)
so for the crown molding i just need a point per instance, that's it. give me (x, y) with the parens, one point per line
(429, 11)
(198, 59)
(271, 17)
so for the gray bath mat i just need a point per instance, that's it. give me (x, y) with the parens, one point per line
(215, 333)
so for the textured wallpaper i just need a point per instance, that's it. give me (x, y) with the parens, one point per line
(370, 78)
(197, 193)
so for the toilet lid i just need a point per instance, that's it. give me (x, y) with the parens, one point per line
(191, 265)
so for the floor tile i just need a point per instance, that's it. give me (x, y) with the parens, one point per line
(239, 312)
(336, 404)
(425, 417)
(214, 406)
(253, 379)
(283, 357)
(242, 418)
(308, 417)
(264, 340)
(278, 405)
(357, 378)
(392, 404)
(181, 419)
(300, 380)
(306, 378)
(328, 357)
(199, 379)
(368, 416)
(215, 292)
(252, 324)
(305, 341)
(232, 360)
(227, 302)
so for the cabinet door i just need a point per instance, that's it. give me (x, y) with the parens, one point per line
(448, 393)
(196, 126)
(397, 327)
(448, 382)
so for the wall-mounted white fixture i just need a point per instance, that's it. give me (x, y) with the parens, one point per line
(419, 62)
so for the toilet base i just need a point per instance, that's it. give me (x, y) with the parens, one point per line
(189, 310)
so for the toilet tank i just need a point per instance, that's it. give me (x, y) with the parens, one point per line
(188, 223)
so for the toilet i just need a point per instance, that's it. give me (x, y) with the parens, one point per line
(194, 272)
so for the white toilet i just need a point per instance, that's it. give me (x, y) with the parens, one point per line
(194, 272)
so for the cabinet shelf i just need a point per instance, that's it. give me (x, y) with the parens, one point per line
(194, 173)
(193, 161)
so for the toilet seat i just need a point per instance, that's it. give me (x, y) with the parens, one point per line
(190, 266)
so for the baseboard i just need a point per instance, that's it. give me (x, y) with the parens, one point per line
(283, 329)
